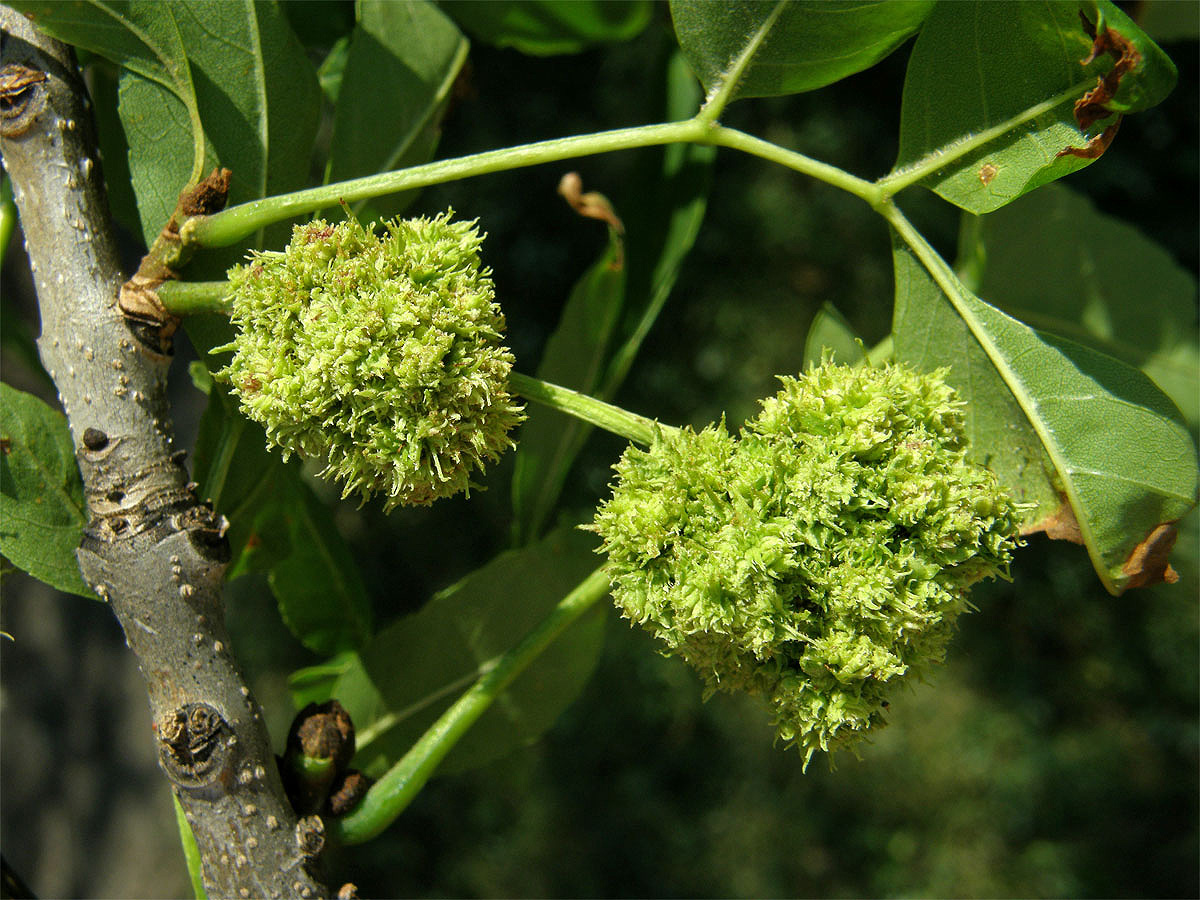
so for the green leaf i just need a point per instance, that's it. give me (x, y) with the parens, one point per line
(398, 684)
(830, 331)
(411, 53)
(257, 92)
(789, 47)
(1054, 261)
(277, 525)
(1052, 417)
(549, 27)
(248, 101)
(576, 356)
(157, 132)
(990, 91)
(321, 597)
(42, 512)
(141, 36)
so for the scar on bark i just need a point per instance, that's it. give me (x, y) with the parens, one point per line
(147, 318)
(1092, 106)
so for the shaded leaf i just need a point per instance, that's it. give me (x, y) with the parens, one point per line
(794, 46)
(549, 27)
(990, 92)
(576, 356)
(141, 36)
(1054, 261)
(42, 511)
(157, 133)
(398, 684)
(830, 331)
(277, 525)
(320, 594)
(1052, 417)
(400, 67)
(257, 92)
(660, 230)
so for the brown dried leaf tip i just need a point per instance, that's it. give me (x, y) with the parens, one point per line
(1092, 106)
(592, 205)
(1147, 564)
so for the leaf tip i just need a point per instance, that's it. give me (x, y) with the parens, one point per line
(1147, 564)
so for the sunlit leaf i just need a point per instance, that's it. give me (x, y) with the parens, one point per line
(42, 512)
(990, 93)
(1078, 433)
(793, 46)
(1054, 261)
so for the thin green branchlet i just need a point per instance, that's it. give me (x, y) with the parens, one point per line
(819, 559)
(238, 222)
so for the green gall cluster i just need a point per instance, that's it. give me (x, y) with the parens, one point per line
(381, 354)
(818, 559)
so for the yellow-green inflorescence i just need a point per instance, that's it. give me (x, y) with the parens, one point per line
(381, 354)
(821, 557)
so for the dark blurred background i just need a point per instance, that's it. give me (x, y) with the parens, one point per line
(1055, 755)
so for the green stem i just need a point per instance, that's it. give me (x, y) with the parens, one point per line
(582, 406)
(233, 224)
(942, 158)
(186, 298)
(393, 792)
(237, 222)
(739, 140)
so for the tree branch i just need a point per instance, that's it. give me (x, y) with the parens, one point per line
(150, 549)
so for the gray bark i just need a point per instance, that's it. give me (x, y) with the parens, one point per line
(151, 549)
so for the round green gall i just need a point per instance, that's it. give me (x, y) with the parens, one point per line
(381, 354)
(821, 558)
